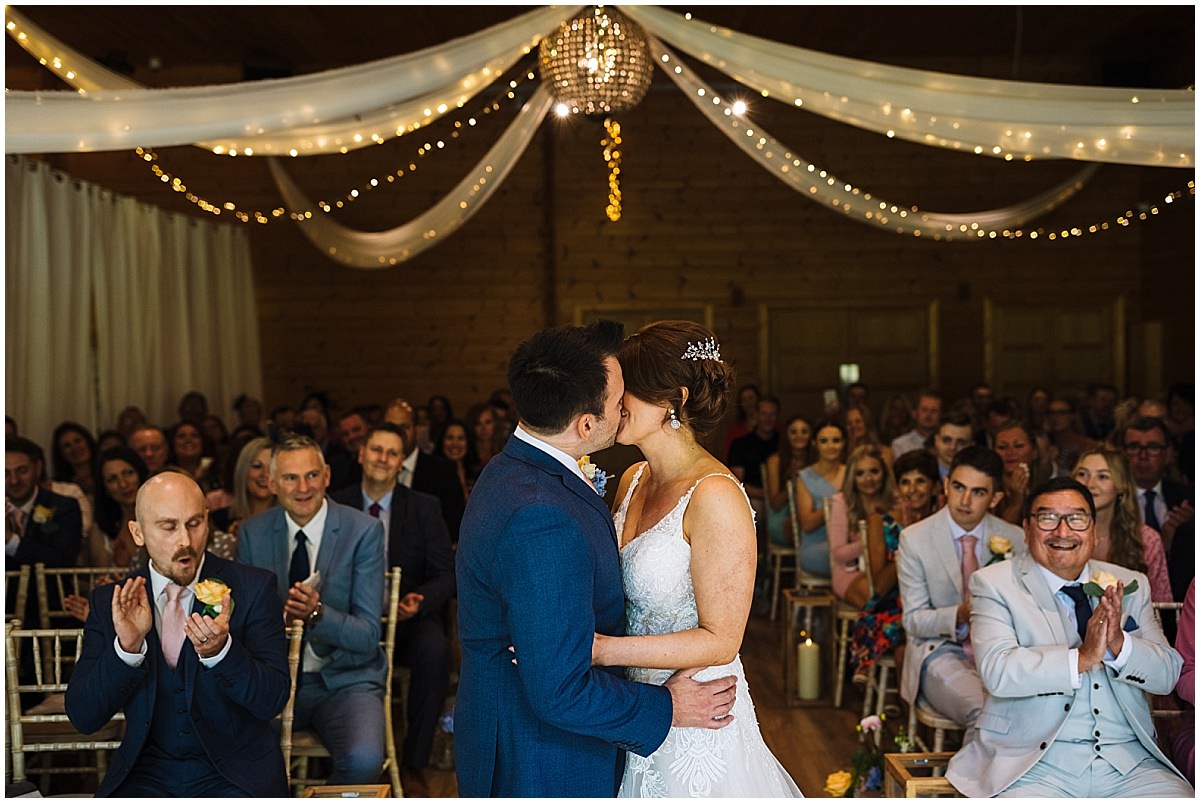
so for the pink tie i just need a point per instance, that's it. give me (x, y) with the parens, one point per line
(172, 625)
(17, 521)
(969, 564)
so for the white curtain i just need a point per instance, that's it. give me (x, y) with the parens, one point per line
(170, 300)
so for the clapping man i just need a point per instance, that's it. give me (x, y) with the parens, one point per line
(198, 677)
(329, 560)
(417, 542)
(1069, 650)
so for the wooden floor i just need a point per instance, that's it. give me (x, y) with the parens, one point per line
(809, 742)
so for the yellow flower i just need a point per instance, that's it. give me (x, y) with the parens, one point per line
(838, 783)
(1104, 579)
(587, 467)
(211, 592)
(42, 514)
(999, 545)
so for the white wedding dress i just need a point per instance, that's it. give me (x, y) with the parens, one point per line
(733, 761)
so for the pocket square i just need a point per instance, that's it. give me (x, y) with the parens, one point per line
(1130, 624)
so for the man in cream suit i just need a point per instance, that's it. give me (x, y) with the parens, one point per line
(1067, 712)
(939, 664)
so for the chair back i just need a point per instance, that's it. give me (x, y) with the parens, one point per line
(55, 585)
(45, 727)
(21, 578)
(295, 635)
(804, 579)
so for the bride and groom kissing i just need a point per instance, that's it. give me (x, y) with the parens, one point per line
(664, 587)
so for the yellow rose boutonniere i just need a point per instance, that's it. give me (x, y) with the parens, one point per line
(44, 517)
(1102, 580)
(211, 592)
(1000, 547)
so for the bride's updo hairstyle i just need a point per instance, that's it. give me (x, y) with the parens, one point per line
(662, 358)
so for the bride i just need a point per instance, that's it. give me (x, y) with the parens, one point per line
(688, 555)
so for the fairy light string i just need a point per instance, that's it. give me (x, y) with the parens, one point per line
(231, 207)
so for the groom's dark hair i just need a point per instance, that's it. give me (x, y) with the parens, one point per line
(559, 374)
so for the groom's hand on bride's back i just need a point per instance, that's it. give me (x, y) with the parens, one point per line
(701, 704)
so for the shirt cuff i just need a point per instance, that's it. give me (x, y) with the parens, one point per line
(130, 658)
(1073, 663)
(209, 663)
(10, 547)
(1117, 664)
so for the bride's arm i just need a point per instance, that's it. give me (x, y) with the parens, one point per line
(720, 528)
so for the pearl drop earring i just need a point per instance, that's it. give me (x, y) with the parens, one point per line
(674, 420)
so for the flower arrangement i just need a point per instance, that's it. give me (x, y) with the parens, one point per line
(866, 764)
(211, 593)
(595, 476)
(1000, 547)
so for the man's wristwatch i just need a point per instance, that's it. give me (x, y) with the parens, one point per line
(315, 616)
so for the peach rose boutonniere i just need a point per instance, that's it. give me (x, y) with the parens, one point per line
(211, 593)
(1000, 547)
(1103, 580)
(44, 517)
(595, 476)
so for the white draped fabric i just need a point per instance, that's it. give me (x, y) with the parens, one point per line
(315, 110)
(985, 116)
(382, 249)
(170, 300)
(805, 178)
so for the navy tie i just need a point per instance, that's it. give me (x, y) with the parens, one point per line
(374, 509)
(299, 570)
(1083, 608)
(1151, 514)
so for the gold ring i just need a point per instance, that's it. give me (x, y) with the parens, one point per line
(1101, 620)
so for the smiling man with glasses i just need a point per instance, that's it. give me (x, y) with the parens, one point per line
(1069, 650)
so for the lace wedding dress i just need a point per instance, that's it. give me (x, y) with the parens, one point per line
(733, 761)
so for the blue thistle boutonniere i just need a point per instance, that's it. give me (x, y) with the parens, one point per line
(595, 476)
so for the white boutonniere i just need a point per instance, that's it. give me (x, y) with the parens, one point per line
(594, 475)
(1000, 547)
(1103, 580)
(211, 593)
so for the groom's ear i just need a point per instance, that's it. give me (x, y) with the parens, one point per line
(584, 425)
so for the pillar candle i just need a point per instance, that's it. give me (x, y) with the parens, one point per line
(808, 670)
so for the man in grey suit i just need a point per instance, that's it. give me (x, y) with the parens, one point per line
(329, 560)
(934, 556)
(1067, 712)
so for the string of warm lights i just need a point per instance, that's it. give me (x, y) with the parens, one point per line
(179, 185)
(612, 158)
(730, 117)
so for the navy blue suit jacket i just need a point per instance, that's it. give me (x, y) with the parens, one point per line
(351, 562)
(538, 568)
(230, 706)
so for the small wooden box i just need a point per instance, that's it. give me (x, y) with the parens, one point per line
(811, 615)
(917, 775)
(362, 790)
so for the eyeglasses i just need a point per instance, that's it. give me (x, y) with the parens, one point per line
(1153, 449)
(1048, 522)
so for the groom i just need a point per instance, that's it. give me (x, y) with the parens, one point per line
(538, 569)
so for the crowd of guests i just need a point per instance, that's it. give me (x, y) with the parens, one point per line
(407, 470)
(945, 473)
(971, 466)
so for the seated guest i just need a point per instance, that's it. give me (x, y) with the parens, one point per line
(1067, 711)
(152, 446)
(952, 434)
(488, 440)
(328, 559)
(417, 542)
(72, 456)
(252, 495)
(199, 691)
(867, 489)
(747, 455)
(40, 525)
(935, 558)
(428, 473)
(746, 412)
(795, 452)
(1065, 433)
(917, 481)
(119, 474)
(860, 431)
(454, 446)
(1184, 744)
(1121, 538)
(1023, 467)
(108, 439)
(896, 419)
(814, 484)
(186, 451)
(926, 417)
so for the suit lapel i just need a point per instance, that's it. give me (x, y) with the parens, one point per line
(329, 538)
(946, 553)
(1030, 575)
(575, 483)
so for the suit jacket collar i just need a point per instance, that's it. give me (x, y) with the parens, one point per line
(523, 452)
(1030, 575)
(947, 557)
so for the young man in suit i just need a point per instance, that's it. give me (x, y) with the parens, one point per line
(934, 557)
(417, 542)
(1068, 711)
(328, 559)
(538, 570)
(40, 526)
(199, 686)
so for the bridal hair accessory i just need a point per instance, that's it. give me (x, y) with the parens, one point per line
(703, 350)
(594, 475)
(674, 420)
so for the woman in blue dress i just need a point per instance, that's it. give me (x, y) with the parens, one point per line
(818, 481)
